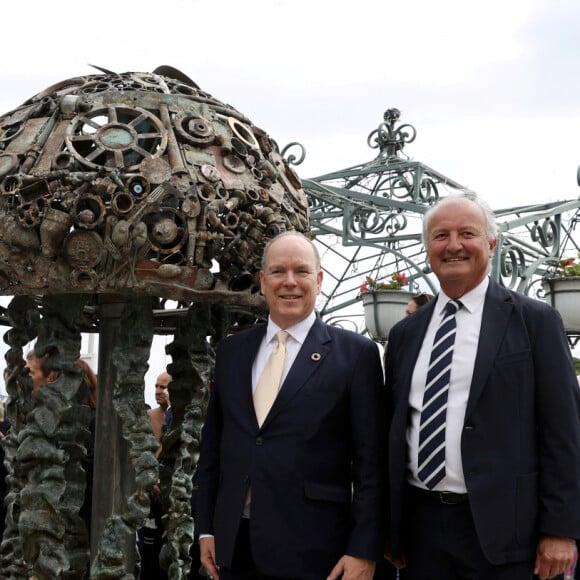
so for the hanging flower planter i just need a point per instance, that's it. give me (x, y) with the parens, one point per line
(563, 293)
(382, 310)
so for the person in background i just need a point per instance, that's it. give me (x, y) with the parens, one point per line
(484, 435)
(158, 414)
(150, 536)
(86, 396)
(417, 301)
(39, 373)
(290, 471)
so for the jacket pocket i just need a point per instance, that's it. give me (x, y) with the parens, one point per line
(325, 492)
(513, 358)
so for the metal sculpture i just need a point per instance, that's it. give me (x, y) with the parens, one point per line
(124, 191)
(139, 182)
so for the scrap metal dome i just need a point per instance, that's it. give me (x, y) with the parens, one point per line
(139, 182)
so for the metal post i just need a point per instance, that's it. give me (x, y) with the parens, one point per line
(113, 480)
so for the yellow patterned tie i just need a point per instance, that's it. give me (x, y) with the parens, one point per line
(269, 382)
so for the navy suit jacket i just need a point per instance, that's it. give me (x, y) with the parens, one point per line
(520, 444)
(315, 464)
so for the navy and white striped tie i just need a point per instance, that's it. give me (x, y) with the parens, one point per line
(431, 460)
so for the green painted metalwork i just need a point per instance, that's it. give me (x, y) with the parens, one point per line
(367, 219)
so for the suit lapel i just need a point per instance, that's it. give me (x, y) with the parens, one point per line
(412, 337)
(247, 357)
(313, 352)
(496, 314)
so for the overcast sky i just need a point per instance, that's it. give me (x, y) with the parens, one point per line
(491, 87)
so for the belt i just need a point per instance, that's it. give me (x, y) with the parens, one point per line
(442, 497)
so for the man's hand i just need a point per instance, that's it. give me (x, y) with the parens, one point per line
(399, 563)
(350, 568)
(553, 556)
(207, 556)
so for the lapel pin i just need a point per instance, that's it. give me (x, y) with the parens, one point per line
(315, 356)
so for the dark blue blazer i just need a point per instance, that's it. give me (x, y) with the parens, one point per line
(520, 444)
(315, 464)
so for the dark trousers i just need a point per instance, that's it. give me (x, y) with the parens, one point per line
(442, 544)
(243, 565)
(150, 542)
(385, 571)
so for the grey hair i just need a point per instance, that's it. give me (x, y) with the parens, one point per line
(296, 235)
(491, 227)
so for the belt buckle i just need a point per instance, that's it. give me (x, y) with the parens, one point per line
(449, 498)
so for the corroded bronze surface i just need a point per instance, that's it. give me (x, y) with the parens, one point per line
(131, 348)
(45, 536)
(24, 320)
(193, 359)
(140, 182)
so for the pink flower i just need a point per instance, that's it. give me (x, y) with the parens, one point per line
(396, 282)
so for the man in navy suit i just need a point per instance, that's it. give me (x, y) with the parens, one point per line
(507, 502)
(312, 470)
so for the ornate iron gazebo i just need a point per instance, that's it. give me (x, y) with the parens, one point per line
(367, 222)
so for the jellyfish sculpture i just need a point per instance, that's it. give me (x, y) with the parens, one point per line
(119, 193)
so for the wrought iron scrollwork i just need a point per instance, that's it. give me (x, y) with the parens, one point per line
(390, 139)
(291, 158)
(546, 233)
(512, 265)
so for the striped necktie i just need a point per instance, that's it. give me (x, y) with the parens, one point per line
(431, 459)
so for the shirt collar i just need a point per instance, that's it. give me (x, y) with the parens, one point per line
(298, 332)
(470, 301)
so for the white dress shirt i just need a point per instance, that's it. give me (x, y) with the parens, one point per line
(296, 336)
(468, 320)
